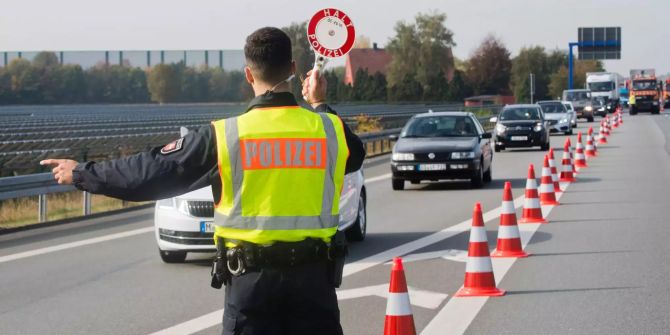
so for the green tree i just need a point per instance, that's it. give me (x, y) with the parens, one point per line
(530, 60)
(164, 83)
(489, 69)
(407, 90)
(420, 51)
(458, 88)
(71, 85)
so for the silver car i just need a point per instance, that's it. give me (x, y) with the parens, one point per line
(571, 110)
(560, 120)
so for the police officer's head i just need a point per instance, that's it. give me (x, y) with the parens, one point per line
(269, 58)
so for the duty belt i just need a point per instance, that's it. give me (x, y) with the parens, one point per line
(248, 256)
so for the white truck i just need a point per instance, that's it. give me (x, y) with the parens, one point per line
(604, 87)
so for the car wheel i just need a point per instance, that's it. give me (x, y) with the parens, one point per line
(398, 184)
(357, 231)
(656, 111)
(488, 175)
(498, 148)
(477, 179)
(569, 132)
(544, 147)
(589, 119)
(172, 256)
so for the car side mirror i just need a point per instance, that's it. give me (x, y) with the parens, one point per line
(393, 137)
(486, 135)
(493, 119)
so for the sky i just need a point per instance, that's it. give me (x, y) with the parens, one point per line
(33, 25)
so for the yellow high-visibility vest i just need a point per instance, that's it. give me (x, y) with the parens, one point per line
(631, 99)
(282, 171)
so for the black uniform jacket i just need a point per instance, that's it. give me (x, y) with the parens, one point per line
(184, 165)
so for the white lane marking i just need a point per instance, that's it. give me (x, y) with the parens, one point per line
(71, 245)
(417, 297)
(378, 178)
(448, 254)
(458, 313)
(195, 325)
(433, 238)
(381, 257)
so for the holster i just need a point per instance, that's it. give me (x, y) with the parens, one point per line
(337, 253)
(220, 273)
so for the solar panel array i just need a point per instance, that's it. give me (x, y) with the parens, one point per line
(29, 134)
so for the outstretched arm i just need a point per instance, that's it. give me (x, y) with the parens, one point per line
(178, 167)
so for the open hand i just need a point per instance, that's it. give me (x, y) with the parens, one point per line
(62, 169)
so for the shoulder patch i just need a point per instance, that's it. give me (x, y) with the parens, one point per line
(173, 146)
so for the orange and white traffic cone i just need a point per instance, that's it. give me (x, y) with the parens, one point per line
(509, 239)
(554, 172)
(615, 121)
(532, 211)
(566, 166)
(580, 159)
(547, 192)
(590, 146)
(602, 137)
(608, 126)
(572, 157)
(399, 318)
(479, 280)
(620, 118)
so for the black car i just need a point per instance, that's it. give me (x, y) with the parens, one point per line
(521, 126)
(439, 146)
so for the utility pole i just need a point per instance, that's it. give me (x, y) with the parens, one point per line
(532, 87)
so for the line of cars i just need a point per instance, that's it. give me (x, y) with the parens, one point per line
(455, 145)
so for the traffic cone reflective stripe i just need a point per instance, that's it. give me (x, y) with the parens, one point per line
(547, 192)
(580, 159)
(479, 279)
(554, 172)
(509, 239)
(399, 319)
(572, 157)
(590, 147)
(566, 166)
(602, 138)
(532, 211)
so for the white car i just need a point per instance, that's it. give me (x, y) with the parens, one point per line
(571, 109)
(558, 116)
(185, 223)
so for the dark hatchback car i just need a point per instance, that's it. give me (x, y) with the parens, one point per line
(521, 126)
(441, 146)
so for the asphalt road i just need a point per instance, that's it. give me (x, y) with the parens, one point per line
(598, 267)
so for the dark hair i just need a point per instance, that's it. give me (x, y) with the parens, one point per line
(268, 54)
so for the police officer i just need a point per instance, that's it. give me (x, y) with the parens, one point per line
(276, 173)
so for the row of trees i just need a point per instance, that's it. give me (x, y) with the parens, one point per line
(422, 69)
(46, 81)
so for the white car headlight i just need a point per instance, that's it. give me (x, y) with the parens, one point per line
(588, 108)
(500, 128)
(182, 206)
(563, 120)
(463, 155)
(538, 127)
(655, 103)
(400, 156)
